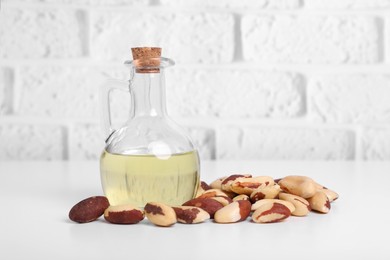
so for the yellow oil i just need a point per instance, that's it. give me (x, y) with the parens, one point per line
(138, 179)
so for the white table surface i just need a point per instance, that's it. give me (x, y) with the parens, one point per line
(36, 198)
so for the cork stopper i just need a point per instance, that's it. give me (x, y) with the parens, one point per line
(145, 57)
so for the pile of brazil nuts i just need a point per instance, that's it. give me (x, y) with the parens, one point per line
(226, 200)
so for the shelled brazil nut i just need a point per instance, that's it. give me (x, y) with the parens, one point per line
(230, 199)
(123, 214)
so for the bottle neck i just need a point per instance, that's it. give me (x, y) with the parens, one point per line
(148, 95)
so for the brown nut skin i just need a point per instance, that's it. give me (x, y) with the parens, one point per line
(301, 186)
(302, 206)
(225, 185)
(223, 200)
(217, 183)
(241, 197)
(269, 192)
(160, 214)
(260, 203)
(277, 180)
(332, 195)
(319, 202)
(245, 185)
(199, 191)
(190, 215)
(230, 194)
(207, 204)
(212, 193)
(234, 212)
(203, 186)
(89, 209)
(270, 213)
(123, 214)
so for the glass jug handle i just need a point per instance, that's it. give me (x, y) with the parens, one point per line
(106, 89)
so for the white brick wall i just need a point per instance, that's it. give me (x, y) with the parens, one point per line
(31, 142)
(67, 92)
(348, 4)
(255, 79)
(84, 2)
(41, 33)
(5, 91)
(285, 143)
(357, 98)
(243, 94)
(376, 143)
(311, 39)
(261, 4)
(198, 37)
(85, 142)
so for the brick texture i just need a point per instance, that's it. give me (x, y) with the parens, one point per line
(262, 4)
(311, 39)
(86, 142)
(57, 86)
(217, 93)
(234, 93)
(386, 46)
(66, 91)
(83, 2)
(255, 79)
(284, 143)
(204, 141)
(209, 39)
(31, 142)
(356, 98)
(5, 91)
(41, 34)
(376, 143)
(347, 4)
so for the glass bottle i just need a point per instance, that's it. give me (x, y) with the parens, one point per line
(149, 158)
